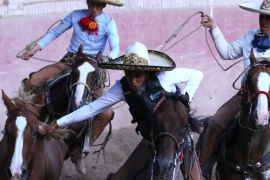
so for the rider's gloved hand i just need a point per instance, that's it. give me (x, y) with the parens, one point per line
(49, 129)
(26, 55)
(208, 21)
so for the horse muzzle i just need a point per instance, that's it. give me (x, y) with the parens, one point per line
(17, 176)
(261, 118)
(163, 168)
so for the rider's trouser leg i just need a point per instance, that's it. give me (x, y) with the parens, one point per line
(101, 120)
(49, 72)
(137, 162)
(211, 134)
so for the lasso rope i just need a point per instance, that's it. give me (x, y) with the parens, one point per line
(32, 44)
(179, 29)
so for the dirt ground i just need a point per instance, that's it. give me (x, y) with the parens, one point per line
(120, 146)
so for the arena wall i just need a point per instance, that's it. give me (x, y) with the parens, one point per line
(150, 26)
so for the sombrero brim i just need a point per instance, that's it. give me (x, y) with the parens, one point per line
(159, 62)
(114, 3)
(254, 7)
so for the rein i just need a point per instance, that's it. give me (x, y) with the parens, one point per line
(179, 154)
(248, 168)
(99, 83)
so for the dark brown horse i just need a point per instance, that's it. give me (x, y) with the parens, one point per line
(247, 156)
(171, 141)
(68, 93)
(24, 153)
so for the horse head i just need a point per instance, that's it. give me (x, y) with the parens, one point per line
(171, 124)
(256, 97)
(84, 78)
(22, 129)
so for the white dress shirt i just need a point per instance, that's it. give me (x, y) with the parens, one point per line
(115, 94)
(238, 48)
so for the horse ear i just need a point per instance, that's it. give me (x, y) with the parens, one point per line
(8, 103)
(99, 57)
(80, 50)
(252, 57)
(187, 96)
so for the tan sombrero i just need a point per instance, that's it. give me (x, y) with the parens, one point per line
(138, 58)
(262, 7)
(111, 2)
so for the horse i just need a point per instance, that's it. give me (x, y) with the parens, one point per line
(72, 90)
(171, 142)
(24, 152)
(247, 156)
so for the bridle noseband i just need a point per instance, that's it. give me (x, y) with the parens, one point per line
(179, 155)
(245, 89)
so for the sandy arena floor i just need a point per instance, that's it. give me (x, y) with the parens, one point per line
(120, 146)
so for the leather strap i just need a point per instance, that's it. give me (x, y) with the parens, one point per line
(49, 102)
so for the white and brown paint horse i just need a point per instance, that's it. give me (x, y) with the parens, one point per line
(80, 86)
(247, 156)
(24, 152)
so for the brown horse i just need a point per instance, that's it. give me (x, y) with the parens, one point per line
(79, 87)
(24, 153)
(247, 156)
(171, 141)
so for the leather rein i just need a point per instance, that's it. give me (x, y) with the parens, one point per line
(248, 168)
(179, 153)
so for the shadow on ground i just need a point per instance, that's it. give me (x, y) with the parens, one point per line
(120, 146)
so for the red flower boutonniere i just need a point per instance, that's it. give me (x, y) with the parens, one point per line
(89, 24)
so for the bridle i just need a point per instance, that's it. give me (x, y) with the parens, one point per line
(245, 90)
(179, 154)
(248, 168)
(91, 91)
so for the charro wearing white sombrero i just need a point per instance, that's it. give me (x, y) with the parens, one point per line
(258, 40)
(92, 28)
(147, 72)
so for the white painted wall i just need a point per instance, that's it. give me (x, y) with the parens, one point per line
(35, 7)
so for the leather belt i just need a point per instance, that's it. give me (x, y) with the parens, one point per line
(69, 57)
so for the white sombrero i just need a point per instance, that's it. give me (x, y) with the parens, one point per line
(138, 58)
(257, 6)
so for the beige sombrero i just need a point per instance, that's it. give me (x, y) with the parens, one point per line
(257, 6)
(111, 2)
(138, 58)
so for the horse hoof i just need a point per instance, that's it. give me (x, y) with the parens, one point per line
(79, 164)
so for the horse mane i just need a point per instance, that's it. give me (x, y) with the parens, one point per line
(25, 100)
(56, 134)
(194, 122)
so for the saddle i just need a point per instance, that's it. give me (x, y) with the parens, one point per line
(51, 85)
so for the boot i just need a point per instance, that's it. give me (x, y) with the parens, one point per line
(79, 164)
